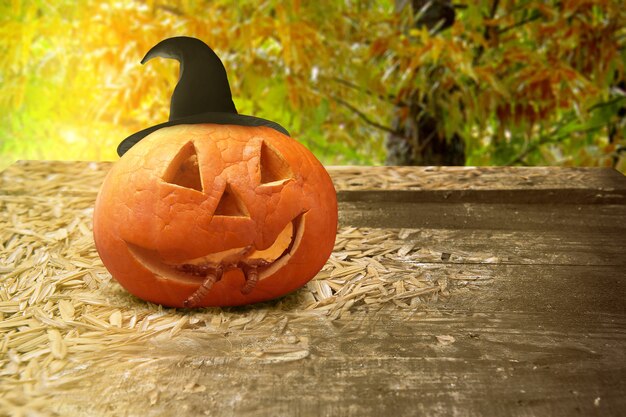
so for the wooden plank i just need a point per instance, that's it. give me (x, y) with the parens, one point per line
(493, 196)
(517, 247)
(538, 341)
(519, 384)
(536, 217)
(566, 291)
(476, 178)
(531, 320)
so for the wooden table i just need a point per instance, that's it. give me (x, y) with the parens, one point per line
(451, 291)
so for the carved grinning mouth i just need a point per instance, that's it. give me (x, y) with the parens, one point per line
(255, 264)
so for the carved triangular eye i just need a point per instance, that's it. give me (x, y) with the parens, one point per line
(230, 205)
(184, 170)
(273, 166)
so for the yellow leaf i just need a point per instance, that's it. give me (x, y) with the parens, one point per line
(436, 50)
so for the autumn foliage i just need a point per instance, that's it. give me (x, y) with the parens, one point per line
(520, 82)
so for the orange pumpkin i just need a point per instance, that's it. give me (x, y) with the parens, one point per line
(215, 213)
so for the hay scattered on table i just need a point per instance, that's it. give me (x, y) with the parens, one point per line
(60, 310)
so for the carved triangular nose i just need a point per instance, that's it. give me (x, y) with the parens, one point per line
(230, 204)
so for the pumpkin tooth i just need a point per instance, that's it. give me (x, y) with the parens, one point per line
(252, 277)
(233, 258)
(270, 254)
(213, 274)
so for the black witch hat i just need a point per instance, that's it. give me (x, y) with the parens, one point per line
(202, 94)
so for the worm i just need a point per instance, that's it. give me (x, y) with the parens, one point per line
(212, 275)
(252, 277)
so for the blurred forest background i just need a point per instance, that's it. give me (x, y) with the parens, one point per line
(486, 82)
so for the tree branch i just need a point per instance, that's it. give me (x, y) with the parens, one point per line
(494, 9)
(426, 141)
(363, 116)
(607, 103)
(522, 22)
(519, 158)
(486, 33)
(389, 97)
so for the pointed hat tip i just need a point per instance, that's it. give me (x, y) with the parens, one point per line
(202, 94)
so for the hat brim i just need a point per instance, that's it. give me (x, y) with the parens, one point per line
(211, 117)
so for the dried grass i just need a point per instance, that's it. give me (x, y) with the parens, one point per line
(60, 310)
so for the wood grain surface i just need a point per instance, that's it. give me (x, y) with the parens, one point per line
(530, 319)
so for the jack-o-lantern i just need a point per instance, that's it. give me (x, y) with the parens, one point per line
(213, 208)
